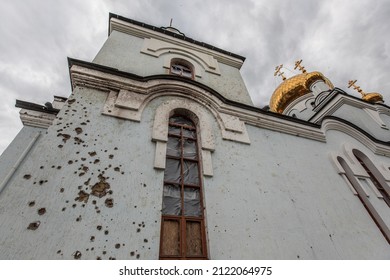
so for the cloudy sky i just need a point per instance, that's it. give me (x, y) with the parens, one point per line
(343, 39)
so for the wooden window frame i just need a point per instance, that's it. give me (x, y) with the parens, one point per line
(364, 199)
(182, 219)
(182, 63)
(375, 176)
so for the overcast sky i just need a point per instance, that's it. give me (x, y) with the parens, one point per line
(342, 39)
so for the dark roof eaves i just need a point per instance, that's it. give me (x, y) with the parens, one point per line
(172, 34)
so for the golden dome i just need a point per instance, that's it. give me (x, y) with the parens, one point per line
(373, 97)
(293, 88)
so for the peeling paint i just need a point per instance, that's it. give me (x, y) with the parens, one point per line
(100, 188)
(83, 196)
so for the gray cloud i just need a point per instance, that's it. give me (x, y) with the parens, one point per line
(342, 39)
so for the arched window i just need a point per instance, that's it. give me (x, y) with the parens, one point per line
(375, 176)
(182, 225)
(182, 68)
(364, 199)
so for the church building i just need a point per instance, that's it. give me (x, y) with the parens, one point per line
(160, 153)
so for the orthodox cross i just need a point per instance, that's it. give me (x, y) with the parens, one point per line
(353, 84)
(298, 65)
(279, 73)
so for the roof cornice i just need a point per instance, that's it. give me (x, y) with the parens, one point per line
(143, 30)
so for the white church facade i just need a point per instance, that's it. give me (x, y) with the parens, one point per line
(159, 153)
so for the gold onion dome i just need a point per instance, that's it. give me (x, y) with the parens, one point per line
(372, 97)
(294, 87)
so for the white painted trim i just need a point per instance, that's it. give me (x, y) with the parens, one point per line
(141, 32)
(157, 48)
(19, 161)
(36, 119)
(341, 100)
(377, 148)
(152, 89)
(349, 184)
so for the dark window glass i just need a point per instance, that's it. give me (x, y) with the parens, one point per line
(182, 205)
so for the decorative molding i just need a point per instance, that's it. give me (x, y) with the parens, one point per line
(374, 114)
(376, 147)
(160, 124)
(239, 116)
(169, 57)
(157, 48)
(373, 110)
(160, 131)
(36, 119)
(141, 32)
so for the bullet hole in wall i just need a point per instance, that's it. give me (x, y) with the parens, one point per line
(100, 188)
(65, 137)
(87, 182)
(77, 255)
(41, 211)
(34, 225)
(78, 130)
(109, 202)
(83, 197)
(31, 203)
(27, 176)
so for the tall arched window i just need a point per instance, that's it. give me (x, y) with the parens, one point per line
(364, 199)
(182, 68)
(375, 175)
(182, 225)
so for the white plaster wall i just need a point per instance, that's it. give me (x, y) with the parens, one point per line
(364, 121)
(57, 176)
(278, 198)
(123, 52)
(281, 198)
(16, 148)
